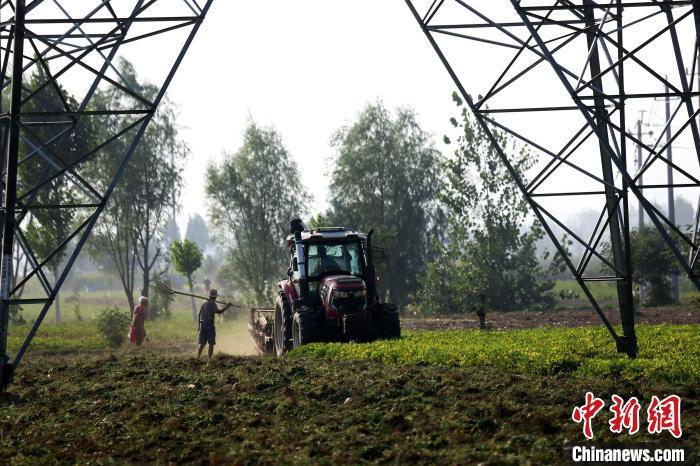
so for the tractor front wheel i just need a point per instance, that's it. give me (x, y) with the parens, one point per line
(388, 322)
(307, 327)
(282, 330)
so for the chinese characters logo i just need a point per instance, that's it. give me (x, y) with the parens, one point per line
(662, 415)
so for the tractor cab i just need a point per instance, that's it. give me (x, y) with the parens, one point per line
(334, 258)
(330, 293)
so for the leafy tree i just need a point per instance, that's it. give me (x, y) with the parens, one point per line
(131, 229)
(187, 258)
(652, 263)
(210, 267)
(158, 182)
(117, 242)
(684, 210)
(385, 177)
(51, 227)
(198, 231)
(490, 259)
(558, 265)
(252, 196)
(317, 221)
(48, 227)
(451, 284)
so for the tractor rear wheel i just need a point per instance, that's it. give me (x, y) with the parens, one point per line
(282, 330)
(388, 322)
(307, 327)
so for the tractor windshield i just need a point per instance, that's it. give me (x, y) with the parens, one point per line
(328, 258)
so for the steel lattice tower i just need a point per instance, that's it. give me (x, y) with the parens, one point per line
(68, 50)
(567, 79)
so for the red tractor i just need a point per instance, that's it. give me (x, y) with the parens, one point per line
(330, 293)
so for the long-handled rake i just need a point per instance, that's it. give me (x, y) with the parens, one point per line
(166, 290)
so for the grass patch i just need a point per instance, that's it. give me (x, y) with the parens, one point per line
(667, 352)
(74, 336)
(607, 291)
(90, 303)
(601, 290)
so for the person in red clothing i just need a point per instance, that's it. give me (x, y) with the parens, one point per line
(138, 321)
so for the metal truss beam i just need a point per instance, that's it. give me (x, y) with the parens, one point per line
(59, 41)
(582, 45)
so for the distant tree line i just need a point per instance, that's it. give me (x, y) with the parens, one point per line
(452, 234)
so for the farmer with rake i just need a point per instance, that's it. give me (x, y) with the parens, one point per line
(209, 309)
(207, 329)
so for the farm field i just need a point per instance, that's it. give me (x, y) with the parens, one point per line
(554, 318)
(577, 311)
(433, 397)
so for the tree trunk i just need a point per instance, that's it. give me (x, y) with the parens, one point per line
(129, 280)
(146, 288)
(481, 311)
(482, 319)
(146, 274)
(194, 306)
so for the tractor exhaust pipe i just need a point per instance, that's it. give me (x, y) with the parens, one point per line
(296, 226)
(371, 271)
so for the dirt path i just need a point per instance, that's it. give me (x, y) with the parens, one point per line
(559, 318)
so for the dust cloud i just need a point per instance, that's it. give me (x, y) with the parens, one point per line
(232, 338)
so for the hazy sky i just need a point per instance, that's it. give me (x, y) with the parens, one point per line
(309, 66)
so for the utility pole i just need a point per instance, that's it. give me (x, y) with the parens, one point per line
(640, 212)
(671, 199)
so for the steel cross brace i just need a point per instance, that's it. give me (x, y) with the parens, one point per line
(612, 137)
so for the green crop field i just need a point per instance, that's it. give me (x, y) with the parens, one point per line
(668, 352)
(455, 397)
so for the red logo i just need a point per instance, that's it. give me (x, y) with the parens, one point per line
(662, 415)
(665, 415)
(587, 412)
(625, 415)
